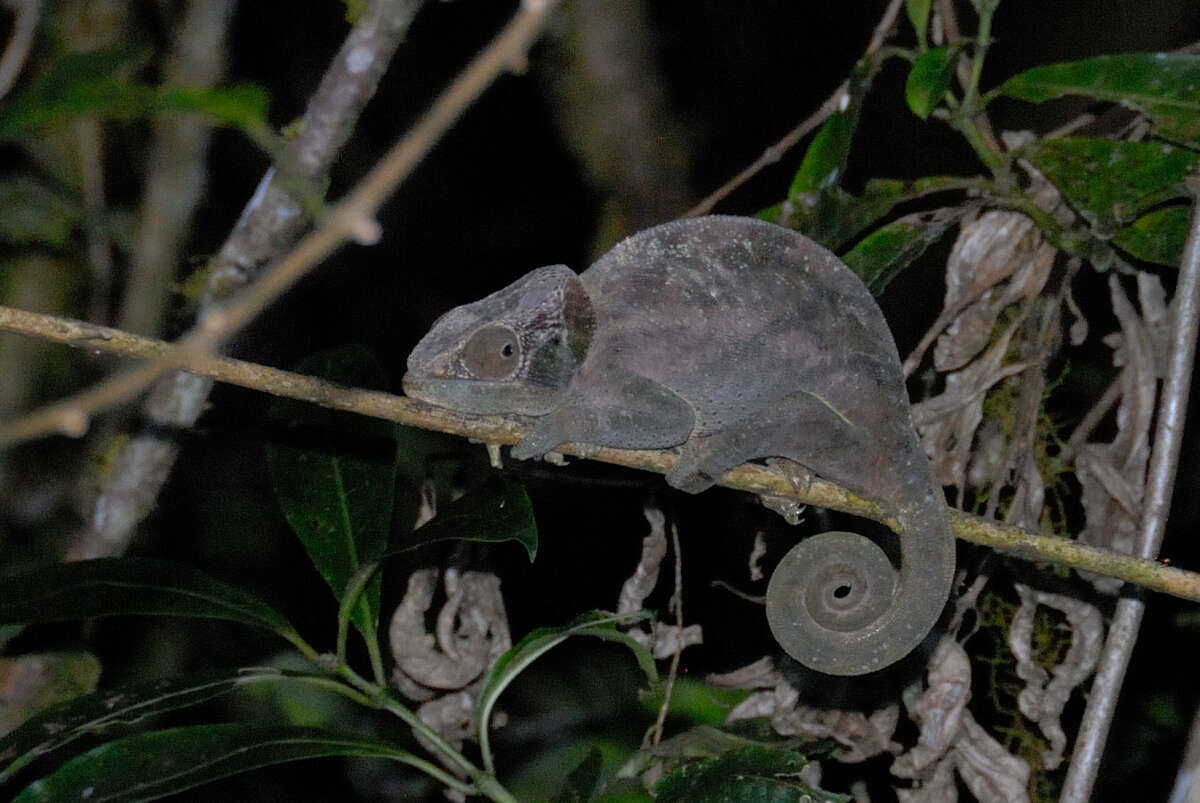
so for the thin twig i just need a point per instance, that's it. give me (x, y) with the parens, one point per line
(508, 430)
(1164, 462)
(832, 104)
(673, 671)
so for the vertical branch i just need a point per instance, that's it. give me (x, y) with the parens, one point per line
(1168, 439)
(271, 221)
(615, 115)
(176, 173)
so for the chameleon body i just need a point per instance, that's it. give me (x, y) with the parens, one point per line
(732, 339)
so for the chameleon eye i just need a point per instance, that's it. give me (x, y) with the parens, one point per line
(492, 353)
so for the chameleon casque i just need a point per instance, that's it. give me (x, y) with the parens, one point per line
(732, 339)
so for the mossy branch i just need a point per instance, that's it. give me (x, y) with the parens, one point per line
(508, 430)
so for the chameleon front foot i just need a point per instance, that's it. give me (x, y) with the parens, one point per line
(827, 600)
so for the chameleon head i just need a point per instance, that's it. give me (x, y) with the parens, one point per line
(514, 351)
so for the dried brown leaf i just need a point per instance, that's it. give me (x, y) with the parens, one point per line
(654, 548)
(1112, 475)
(939, 710)
(471, 632)
(947, 422)
(991, 773)
(1046, 693)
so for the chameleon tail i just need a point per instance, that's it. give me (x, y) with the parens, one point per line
(836, 604)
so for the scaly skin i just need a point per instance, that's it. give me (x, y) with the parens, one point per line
(733, 339)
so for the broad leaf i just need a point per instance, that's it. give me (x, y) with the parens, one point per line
(884, 253)
(151, 765)
(596, 623)
(112, 586)
(1111, 183)
(94, 713)
(1158, 236)
(335, 478)
(1160, 85)
(749, 774)
(929, 79)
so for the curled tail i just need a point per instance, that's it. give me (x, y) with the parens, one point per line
(836, 604)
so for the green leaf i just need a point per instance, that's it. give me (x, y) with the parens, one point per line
(918, 15)
(848, 215)
(814, 195)
(582, 780)
(825, 160)
(151, 765)
(91, 84)
(595, 623)
(1158, 236)
(242, 106)
(748, 774)
(113, 586)
(929, 80)
(94, 713)
(1160, 85)
(335, 478)
(496, 510)
(882, 255)
(1111, 183)
(33, 214)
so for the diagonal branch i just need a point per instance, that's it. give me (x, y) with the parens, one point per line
(507, 430)
(269, 224)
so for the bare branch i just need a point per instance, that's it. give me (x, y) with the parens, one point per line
(1160, 483)
(176, 173)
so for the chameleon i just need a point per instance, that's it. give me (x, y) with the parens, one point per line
(730, 339)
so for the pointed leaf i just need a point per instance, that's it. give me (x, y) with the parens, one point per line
(335, 478)
(596, 623)
(929, 80)
(825, 160)
(1158, 236)
(1110, 183)
(918, 15)
(112, 586)
(498, 509)
(1160, 85)
(750, 774)
(582, 780)
(63, 723)
(151, 765)
(882, 255)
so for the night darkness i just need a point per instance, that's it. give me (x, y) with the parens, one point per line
(504, 192)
